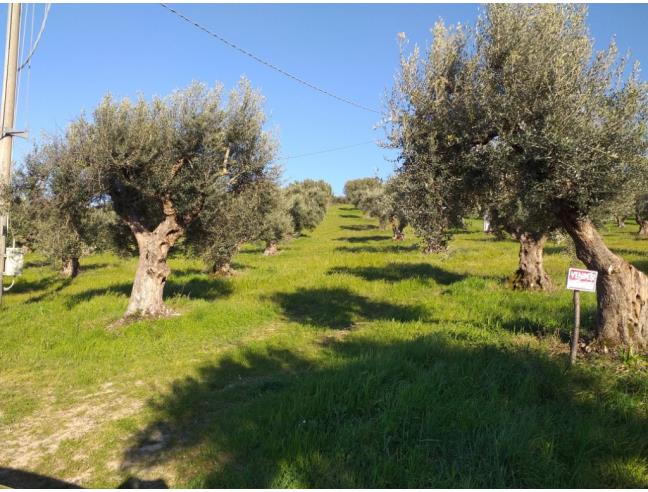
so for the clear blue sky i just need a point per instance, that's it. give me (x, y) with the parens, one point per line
(351, 50)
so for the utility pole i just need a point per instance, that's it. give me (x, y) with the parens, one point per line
(9, 82)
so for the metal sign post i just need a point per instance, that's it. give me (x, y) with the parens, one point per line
(575, 333)
(579, 280)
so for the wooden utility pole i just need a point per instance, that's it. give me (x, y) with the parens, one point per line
(9, 82)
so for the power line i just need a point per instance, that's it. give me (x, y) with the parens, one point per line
(327, 150)
(40, 33)
(266, 63)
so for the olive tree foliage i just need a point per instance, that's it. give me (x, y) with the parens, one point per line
(277, 223)
(354, 189)
(52, 211)
(321, 185)
(431, 109)
(533, 103)
(160, 162)
(228, 221)
(299, 207)
(374, 202)
(307, 203)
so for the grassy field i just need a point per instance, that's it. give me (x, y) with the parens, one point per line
(348, 360)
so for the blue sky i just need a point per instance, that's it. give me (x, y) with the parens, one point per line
(350, 50)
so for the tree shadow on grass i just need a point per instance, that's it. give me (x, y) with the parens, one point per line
(194, 288)
(427, 412)
(362, 239)
(397, 272)
(49, 284)
(554, 250)
(358, 227)
(340, 308)
(629, 251)
(22, 479)
(392, 248)
(56, 284)
(349, 216)
(23, 286)
(200, 288)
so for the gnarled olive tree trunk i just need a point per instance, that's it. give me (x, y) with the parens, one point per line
(531, 274)
(397, 229)
(643, 227)
(271, 248)
(620, 221)
(70, 268)
(147, 296)
(621, 289)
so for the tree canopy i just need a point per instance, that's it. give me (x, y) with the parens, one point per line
(522, 105)
(159, 163)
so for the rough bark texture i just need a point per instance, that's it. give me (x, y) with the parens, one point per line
(397, 229)
(643, 227)
(70, 268)
(147, 296)
(531, 274)
(271, 248)
(621, 289)
(620, 222)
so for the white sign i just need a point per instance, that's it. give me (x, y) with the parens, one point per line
(578, 279)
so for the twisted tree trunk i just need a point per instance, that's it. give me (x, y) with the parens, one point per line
(621, 289)
(271, 248)
(643, 227)
(531, 274)
(620, 221)
(397, 229)
(70, 268)
(147, 295)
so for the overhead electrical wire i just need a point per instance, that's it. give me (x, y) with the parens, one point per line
(38, 37)
(266, 63)
(288, 157)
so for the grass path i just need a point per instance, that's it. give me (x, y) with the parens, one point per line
(347, 360)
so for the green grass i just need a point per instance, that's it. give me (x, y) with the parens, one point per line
(348, 360)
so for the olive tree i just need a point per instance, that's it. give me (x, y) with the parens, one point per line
(531, 228)
(276, 221)
(159, 163)
(575, 133)
(228, 221)
(431, 110)
(533, 102)
(355, 188)
(307, 202)
(383, 201)
(396, 196)
(52, 210)
(641, 213)
(373, 201)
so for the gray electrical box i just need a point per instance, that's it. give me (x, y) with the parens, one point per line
(14, 262)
